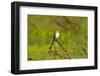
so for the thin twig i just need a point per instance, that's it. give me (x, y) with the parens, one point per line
(63, 49)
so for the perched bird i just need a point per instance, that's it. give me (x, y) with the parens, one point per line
(56, 36)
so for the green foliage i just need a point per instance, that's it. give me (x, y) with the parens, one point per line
(73, 37)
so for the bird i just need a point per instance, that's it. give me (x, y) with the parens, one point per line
(56, 36)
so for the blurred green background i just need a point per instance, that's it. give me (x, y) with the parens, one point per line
(73, 37)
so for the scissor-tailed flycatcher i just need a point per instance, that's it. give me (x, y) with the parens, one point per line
(56, 36)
